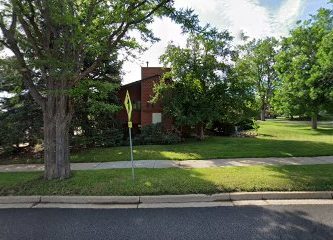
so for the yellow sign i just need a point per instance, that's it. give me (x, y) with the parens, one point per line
(128, 106)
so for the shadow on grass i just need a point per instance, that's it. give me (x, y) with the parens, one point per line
(108, 182)
(327, 127)
(233, 148)
(324, 131)
(266, 135)
(173, 181)
(303, 177)
(211, 148)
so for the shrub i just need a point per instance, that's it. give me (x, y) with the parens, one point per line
(246, 124)
(155, 134)
(222, 128)
(228, 129)
(105, 138)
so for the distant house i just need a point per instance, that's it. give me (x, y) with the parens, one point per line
(141, 91)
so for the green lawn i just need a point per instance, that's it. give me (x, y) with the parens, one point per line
(276, 138)
(173, 181)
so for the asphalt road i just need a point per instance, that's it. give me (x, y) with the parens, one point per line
(245, 222)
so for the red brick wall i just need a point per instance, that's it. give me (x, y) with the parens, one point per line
(143, 91)
(150, 76)
(152, 71)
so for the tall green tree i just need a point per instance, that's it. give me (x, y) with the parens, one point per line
(256, 64)
(96, 103)
(20, 117)
(94, 99)
(51, 39)
(325, 55)
(201, 90)
(303, 66)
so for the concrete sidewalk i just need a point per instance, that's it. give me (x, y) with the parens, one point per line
(178, 164)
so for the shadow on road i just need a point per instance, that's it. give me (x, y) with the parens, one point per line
(273, 223)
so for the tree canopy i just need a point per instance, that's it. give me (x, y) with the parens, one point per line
(304, 69)
(256, 63)
(53, 39)
(202, 89)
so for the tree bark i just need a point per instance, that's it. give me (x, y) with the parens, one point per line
(262, 115)
(57, 117)
(314, 121)
(200, 131)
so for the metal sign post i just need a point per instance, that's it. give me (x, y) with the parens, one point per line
(128, 106)
(131, 146)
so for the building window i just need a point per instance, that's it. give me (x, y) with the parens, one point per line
(136, 105)
(157, 118)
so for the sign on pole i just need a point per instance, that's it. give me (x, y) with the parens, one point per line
(128, 106)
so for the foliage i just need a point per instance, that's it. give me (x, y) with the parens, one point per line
(108, 137)
(96, 103)
(21, 123)
(155, 134)
(229, 128)
(304, 68)
(256, 126)
(52, 41)
(20, 117)
(325, 58)
(202, 88)
(255, 63)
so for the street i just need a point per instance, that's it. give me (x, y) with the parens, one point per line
(243, 222)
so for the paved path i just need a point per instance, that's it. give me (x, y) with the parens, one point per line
(178, 164)
(303, 222)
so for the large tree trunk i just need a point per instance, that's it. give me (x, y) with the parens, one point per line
(57, 117)
(314, 121)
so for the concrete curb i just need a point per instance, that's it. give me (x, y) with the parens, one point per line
(34, 201)
(91, 199)
(19, 199)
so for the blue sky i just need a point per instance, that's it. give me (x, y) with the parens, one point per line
(311, 7)
(257, 18)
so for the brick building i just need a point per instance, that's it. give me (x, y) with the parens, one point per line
(144, 113)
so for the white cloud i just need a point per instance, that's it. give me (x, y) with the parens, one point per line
(167, 31)
(249, 16)
(287, 16)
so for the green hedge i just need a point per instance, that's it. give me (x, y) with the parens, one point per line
(155, 134)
